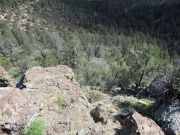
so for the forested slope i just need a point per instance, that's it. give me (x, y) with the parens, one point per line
(107, 43)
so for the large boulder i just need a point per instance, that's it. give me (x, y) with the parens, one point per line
(51, 93)
(105, 122)
(100, 114)
(59, 98)
(16, 110)
(50, 80)
(135, 124)
(167, 114)
(160, 86)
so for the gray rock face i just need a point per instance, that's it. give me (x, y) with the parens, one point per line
(160, 86)
(44, 88)
(135, 124)
(168, 116)
(110, 128)
(43, 91)
(16, 110)
(91, 131)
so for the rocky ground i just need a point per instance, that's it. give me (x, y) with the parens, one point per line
(54, 94)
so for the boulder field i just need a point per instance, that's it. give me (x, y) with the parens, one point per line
(54, 94)
(166, 109)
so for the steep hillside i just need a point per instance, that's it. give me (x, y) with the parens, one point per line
(89, 67)
(107, 43)
(49, 101)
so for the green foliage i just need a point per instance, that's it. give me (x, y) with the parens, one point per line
(119, 72)
(49, 59)
(5, 62)
(109, 46)
(95, 96)
(1, 117)
(14, 72)
(144, 62)
(114, 65)
(9, 4)
(60, 102)
(143, 107)
(37, 127)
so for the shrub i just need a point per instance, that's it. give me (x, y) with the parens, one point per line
(95, 97)
(4, 62)
(14, 72)
(60, 102)
(1, 117)
(37, 127)
(143, 107)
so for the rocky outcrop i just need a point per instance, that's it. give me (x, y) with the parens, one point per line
(110, 128)
(105, 122)
(40, 97)
(135, 124)
(166, 109)
(97, 130)
(100, 114)
(54, 94)
(44, 91)
(167, 114)
(160, 86)
(16, 110)
(47, 86)
(59, 80)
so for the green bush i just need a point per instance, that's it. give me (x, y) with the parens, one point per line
(95, 96)
(1, 117)
(14, 72)
(37, 127)
(60, 102)
(4, 62)
(143, 107)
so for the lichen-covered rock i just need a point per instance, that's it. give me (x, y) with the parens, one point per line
(100, 114)
(59, 80)
(167, 114)
(160, 86)
(16, 110)
(52, 93)
(91, 131)
(110, 128)
(135, 124)
(59, 98)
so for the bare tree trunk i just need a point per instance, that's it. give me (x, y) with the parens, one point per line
(142, 75)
